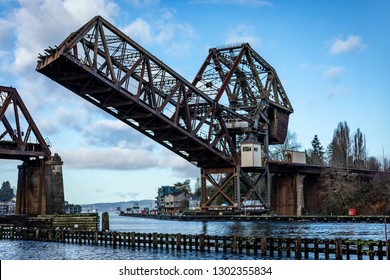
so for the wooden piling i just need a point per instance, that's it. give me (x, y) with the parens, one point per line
(326, 250)
(178, 242)
(298, 248)
(263, 246)
(255, 246)
(190, 243)
(114, 239)
(371, 250)
(339, 249)
(105, 221)
(271, 246)
(155, 243)
(216, 243)
(132, 236)
(234, 244)
(279, 248)
(306, 248)
(201, 243)
(359, 250)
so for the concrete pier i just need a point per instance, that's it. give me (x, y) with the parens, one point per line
(40, 187)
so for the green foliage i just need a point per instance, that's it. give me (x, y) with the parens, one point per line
(316, 155)
(183, 186)
(6, 192)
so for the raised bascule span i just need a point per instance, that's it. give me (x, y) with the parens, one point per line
(229, 143)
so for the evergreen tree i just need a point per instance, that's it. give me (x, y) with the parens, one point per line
(316, 155)
(6, 192)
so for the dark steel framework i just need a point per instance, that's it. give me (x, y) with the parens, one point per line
(15, 142)
(104, 66)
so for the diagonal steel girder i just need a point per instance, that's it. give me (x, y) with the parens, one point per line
(16, 141)
(120, 77)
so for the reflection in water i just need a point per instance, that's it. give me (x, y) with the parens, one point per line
(34, 250)
(204, 228)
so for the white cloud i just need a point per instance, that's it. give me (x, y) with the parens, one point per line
(119, 158)
(111, 158)
(242, 34)
(5, 32)
(353, 43)
(162, 29)
(82, 10)
(114, 133)
(333, 73)
(234, 2)
(39, 24)
(143, 3)
(140, 30)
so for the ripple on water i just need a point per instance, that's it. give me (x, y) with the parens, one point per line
(34, 250)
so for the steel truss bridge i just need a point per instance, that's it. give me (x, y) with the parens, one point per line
(107, 68)
(16, 143)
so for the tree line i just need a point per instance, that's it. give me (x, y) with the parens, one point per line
(346, 150)
(341, 188)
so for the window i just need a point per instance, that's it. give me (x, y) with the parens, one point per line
(246, 149)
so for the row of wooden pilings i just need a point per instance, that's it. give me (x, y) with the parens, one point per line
(272, 247)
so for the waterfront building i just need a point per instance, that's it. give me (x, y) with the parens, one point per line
(7, 208)
(71, 208)
(176, 202)
(193, 202)
(161, 193)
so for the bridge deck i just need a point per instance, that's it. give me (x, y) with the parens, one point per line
(127, 107)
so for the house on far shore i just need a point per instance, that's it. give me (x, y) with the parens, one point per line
(161, 193)
(7, 208)
(176, 199)
(193, 202)
(176, 202)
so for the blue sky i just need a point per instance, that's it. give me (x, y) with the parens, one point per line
(331, 56)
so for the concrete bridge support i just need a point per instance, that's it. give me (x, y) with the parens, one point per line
(40, 187)
(288, 194)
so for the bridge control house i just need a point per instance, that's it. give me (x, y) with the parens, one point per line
(250, 154)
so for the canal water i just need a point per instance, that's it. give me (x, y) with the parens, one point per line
(33, 250)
